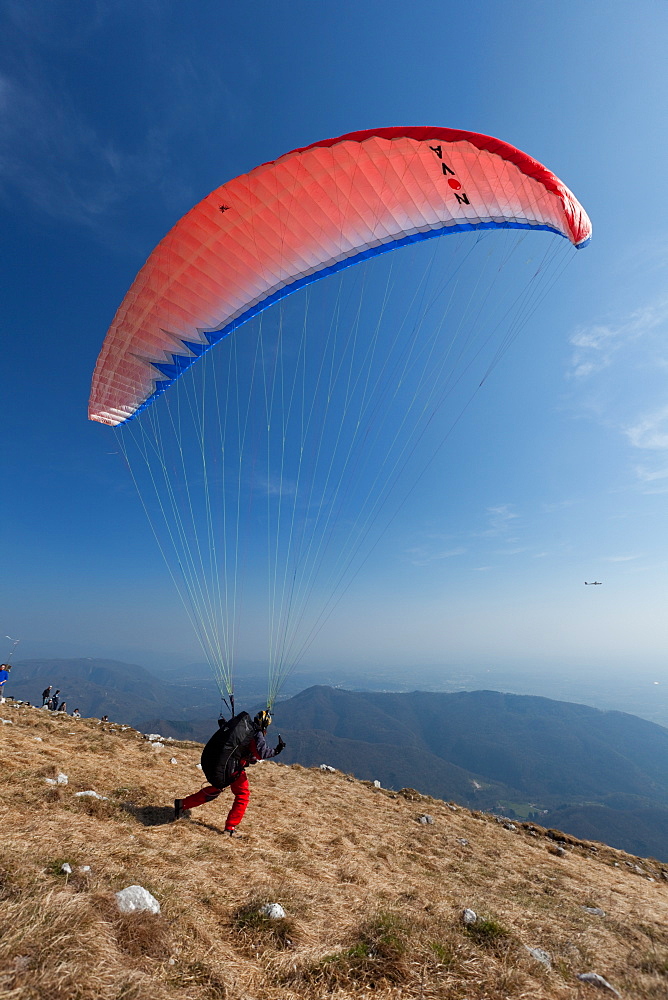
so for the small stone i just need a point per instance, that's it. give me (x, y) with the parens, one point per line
(199, 766)
(541, 956)
(38, 739)
(7, 722)
(173, 760)
(274, 911)
(61, 779)
(135, 899)
(463, 841)
(425, 819)
(595, 911)
(560, 852)
(594, 979)
(327, 767)
(84, 868)
(509, 826)
(50, 781)
(469, 917)
(66, 868)
(376, 784)
(158, 746)
(91, 794)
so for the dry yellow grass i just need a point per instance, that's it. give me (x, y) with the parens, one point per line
(373, 899)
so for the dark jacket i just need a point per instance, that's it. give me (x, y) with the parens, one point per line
(258, 750)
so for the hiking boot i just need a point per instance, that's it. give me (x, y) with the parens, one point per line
(179, 811)
(233, 832)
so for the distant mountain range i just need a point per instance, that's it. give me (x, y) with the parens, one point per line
(597, 775)
(125, 692)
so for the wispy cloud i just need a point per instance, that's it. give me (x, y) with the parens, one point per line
(651, 431)
(653, 480)
(553, 508)
(499, 519)
(596, 346)
(422, 555)
(620, 559)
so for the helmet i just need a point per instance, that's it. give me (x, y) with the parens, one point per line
(263, 719)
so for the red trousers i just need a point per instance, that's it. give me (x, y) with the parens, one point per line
(241, 790)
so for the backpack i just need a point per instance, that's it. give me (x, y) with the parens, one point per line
(223, 754)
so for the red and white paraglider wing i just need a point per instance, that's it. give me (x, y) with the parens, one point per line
(292, 221)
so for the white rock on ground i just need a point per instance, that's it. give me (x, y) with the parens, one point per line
(91, 794)
(594, 979)
(541, 956)
(273, 910)
(158, 746)
(134, 899)
(66, 868)
(173, 760)
(376, 784)
(469, 916)
(327, 767)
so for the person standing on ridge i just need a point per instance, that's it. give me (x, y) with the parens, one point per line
(4, 677)
(53, 701)
(46, 695)
(237, 744)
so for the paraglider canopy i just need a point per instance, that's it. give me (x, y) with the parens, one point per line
(313, 211)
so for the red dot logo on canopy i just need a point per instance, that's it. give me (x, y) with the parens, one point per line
(454, 184)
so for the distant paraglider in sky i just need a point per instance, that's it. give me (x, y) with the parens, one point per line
(14, 643)
(271, 466)
(593, 583)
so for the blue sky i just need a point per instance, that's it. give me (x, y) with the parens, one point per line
(116, 117)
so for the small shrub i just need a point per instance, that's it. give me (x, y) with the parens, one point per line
(378, 955)
(444, 953)
(489, 933)
(259, 930)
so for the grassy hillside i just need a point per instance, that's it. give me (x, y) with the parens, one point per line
(516, 754)
(373, 898)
